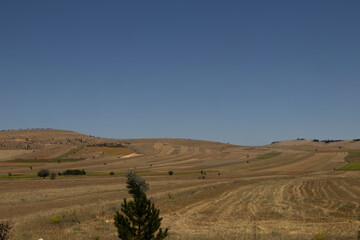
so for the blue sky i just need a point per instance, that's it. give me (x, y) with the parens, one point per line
(244, 72)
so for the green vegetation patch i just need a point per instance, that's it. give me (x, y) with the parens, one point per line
(353, 155)
(19, 176)
(268, 155)
(352, 166)
(65, 155)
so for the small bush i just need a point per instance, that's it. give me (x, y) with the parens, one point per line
(320, 236)
(4, 230)
(170, 173)
(52, 175)
(111, 173)
(74, 217)
(9, 174)
(74, 172)
(96, 237)
(171, 196)
(55, 219)
(43, 173)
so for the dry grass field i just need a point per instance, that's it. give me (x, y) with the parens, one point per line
(286, 190)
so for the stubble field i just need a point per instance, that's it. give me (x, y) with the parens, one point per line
(286, 190)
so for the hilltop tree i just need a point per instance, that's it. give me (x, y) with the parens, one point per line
(139, 219)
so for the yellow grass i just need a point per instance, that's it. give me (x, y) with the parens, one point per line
(6, 155)
(231, 146)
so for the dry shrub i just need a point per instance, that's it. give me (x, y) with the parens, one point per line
(4, 230)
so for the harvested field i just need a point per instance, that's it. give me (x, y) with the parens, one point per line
(293, 194)
(110, 150)
(6, 155)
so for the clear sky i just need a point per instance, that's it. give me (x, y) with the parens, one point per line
(244, 72)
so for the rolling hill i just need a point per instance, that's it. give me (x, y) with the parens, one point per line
(292, 189)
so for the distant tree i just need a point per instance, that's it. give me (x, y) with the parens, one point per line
(43, 173)
(139, 219)
(170, 173)
(111, 173)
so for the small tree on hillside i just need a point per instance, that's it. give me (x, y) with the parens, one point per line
(43, 173)
(139, 219)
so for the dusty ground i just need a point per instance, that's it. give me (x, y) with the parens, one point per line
(295, 195)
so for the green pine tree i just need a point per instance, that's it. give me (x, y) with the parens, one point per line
(139, 219)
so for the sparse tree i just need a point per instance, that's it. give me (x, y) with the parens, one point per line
(43, 173)
(139, 219)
